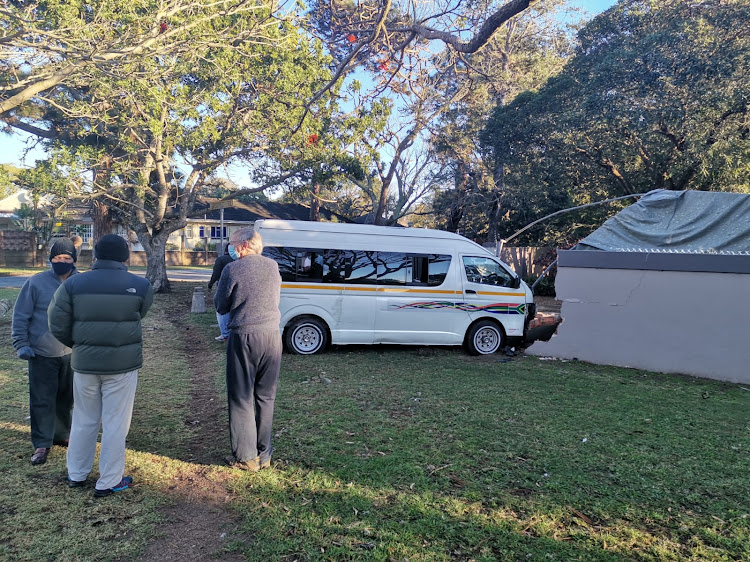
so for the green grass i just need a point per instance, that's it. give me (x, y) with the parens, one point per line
(416, 454)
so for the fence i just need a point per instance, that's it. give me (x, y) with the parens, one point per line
(527, 261)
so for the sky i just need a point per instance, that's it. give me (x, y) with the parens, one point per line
(12, 147)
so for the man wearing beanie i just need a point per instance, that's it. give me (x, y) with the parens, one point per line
(50, 374)
(98, 314)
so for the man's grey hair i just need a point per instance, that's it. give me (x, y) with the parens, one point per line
(253, 239)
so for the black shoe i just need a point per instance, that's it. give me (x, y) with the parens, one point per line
(59, 443)
(76, 483)
(40, 455)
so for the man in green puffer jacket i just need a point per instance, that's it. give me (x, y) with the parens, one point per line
(98, 314)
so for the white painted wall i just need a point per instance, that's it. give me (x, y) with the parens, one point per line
(663, 321)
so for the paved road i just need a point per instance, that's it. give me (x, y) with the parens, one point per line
(195, 275)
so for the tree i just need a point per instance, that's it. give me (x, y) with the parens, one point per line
(135, 92)
(155, 137)
(655, 97)
(524, 53)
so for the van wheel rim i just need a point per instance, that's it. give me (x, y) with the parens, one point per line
(487, 340)
(307, 338)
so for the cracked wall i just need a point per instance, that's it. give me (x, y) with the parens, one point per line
(695, 323)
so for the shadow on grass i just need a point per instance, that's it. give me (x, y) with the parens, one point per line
(392, 454)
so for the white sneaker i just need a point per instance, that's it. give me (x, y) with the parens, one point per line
(221, 338)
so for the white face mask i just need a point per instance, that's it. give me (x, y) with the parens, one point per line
(232, 252)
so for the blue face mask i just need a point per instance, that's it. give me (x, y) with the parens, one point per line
(232, 252)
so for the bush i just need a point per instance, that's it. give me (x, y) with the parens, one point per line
(201, 247)
(545, 288)
(170, 247)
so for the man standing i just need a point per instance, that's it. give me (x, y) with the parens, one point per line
(50, 375)
(98, 314)
(249, 291)
(221, 262)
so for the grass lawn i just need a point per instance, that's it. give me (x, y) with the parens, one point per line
(398, 454)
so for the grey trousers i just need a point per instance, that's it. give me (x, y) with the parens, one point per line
(50, 399)
(253, 365)
(107, 399)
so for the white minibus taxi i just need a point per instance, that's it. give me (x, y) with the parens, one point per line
(363, 284)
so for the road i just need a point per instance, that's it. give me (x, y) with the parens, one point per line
(195, 275)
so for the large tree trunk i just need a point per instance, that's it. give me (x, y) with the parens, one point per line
(456, 212)
(102, 221)
(156, 268)
(495, 207)
(315, 202)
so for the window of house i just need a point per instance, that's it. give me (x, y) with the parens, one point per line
(189, 231)
(201, 232)
(216, 232)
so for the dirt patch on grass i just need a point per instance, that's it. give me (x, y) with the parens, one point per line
(194, 532)
(199, 525)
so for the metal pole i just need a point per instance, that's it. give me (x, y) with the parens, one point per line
(221, 232)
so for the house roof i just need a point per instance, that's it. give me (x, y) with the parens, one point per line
(250, 212)
(684, 222)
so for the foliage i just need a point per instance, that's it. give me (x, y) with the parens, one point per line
(8, 175)
(527, 50)
(656, 97)
(154, 133)
(201, 246)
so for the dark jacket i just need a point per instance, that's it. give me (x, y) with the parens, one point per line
(30, 315)
(98, 314)
(219, 265)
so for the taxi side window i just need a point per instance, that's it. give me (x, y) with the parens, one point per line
(486, 272)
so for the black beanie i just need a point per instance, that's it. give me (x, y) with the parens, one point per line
(63, 246)
(112, 247)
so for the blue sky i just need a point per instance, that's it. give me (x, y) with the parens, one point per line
(12, 147)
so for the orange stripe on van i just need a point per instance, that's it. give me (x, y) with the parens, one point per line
(500, 294)
(320, 287)
(324, 287)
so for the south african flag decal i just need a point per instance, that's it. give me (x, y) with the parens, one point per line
(496, 308)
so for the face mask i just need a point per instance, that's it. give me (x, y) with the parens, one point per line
(232, 252)
(62, 267)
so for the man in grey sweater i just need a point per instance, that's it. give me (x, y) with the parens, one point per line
(50, 373)
(249, 291)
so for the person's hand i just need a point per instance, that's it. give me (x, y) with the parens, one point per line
(26, 352)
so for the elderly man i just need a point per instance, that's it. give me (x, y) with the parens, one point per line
(249, 291)
(98, 314)
(50, 375)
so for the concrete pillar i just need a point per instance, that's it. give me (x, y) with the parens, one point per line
(199, 301)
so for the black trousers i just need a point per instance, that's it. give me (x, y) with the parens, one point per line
(50, 398)
(253, 366)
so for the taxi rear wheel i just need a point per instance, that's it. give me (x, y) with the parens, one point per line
(306, 335)
(484, 338)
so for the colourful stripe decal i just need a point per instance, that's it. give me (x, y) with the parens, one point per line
(496, 308)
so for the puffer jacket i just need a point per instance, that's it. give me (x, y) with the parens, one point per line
(98, 313)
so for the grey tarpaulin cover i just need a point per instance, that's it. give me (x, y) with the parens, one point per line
(690, 222)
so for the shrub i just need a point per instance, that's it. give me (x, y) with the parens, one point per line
(546, 287)
(201, 247)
